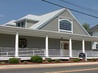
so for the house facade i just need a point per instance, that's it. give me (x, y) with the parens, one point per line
(56, 35)
(94, 32)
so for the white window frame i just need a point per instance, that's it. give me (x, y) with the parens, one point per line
(61, 30)
(21, 22)
(94, 45)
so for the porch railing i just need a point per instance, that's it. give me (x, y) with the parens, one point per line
(90, 53)
(75, 53)
(27, 52)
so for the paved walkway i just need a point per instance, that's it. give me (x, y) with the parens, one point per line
(45, 65)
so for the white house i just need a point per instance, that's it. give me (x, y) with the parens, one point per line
(56, 35)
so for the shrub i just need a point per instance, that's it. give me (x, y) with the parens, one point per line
(57, 60)
(93, 59)
(48, 59)
(13, 60)
(36, 59)
(25, 62)
(76, 59)
(2, 62)
(88, 59)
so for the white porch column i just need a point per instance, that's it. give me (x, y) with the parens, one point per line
(16, 44)
(46, 47)
(70, 48)
(83, 46)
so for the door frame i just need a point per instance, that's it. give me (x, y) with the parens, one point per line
(62, 44)
(62, 47)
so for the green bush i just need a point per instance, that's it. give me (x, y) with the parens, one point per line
(57, 60)
(91, 59)
(48, 59)
(76, 59)
(2, 62)
(94, 59)
(25, 62)
(13, 61)
(36, 59)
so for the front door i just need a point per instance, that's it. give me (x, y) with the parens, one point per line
(64, 45)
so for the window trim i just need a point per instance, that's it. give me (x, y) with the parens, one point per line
(61, 30)
(20, 22)
(96, 46)
(22, 43)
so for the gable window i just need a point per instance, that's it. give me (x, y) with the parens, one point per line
(22, 43)
(65, 25)
(20, 24)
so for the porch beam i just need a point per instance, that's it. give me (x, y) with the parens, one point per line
(70, 48)
(83, 46)
(16, 44)
(46, 47)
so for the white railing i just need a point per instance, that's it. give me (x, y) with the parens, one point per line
(92, 53)
(27, 52)
(3, 54)
(75, 53)
(89, 53)
(54, 52)
(7, 54)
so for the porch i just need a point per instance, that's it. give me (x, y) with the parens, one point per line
(26, 53)
(44, 45)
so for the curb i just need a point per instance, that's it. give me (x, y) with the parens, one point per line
(2, 67)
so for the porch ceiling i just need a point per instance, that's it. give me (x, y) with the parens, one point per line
(43, 33)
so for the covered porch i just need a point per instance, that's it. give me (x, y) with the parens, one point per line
(63, 51)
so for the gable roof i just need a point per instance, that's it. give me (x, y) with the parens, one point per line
(78, 22)
(94, 28)
(30, 17)
(12, 23)
(42, 20)
(46, 18)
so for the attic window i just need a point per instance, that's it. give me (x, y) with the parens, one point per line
(65, 25)
(20, 24)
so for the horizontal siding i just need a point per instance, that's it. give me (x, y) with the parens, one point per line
(77, 45)
(53, 24)
(7, 40)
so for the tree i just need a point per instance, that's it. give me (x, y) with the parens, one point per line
(86, 26)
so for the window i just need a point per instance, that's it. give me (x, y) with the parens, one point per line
(96, 46)
(65, 25)
(22, 43)
(20, 24)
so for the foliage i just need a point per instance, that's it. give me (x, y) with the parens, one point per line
(48, 59)
(57, 60)
(13, 60)
(25, 62)
(76, 59)
(86, 26)
(2, 62)
(36, 59)
(91, 59)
